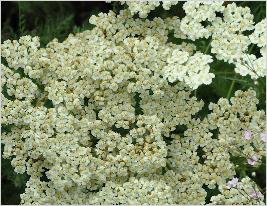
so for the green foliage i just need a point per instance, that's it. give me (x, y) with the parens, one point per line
(13, 183)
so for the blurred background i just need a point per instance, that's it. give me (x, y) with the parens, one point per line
(50, 20)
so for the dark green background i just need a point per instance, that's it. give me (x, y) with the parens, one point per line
(57, 19)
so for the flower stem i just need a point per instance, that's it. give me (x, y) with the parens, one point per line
(231, 89)
(207, 48)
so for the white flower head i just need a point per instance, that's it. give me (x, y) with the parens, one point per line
(252, 160)
(232, 183)
(254, 194)
(247, 134)
(263, 136)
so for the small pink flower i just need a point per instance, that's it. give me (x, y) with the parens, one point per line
(252, 160)
(263, 136)
(255, 194)
(232, 183)
(247, 134)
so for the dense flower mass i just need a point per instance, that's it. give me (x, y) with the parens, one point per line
(94, 119)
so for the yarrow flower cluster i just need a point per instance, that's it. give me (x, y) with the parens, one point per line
(144, 7)
(239, 192)
(94, 119)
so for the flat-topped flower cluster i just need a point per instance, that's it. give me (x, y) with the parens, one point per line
(94, 119)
